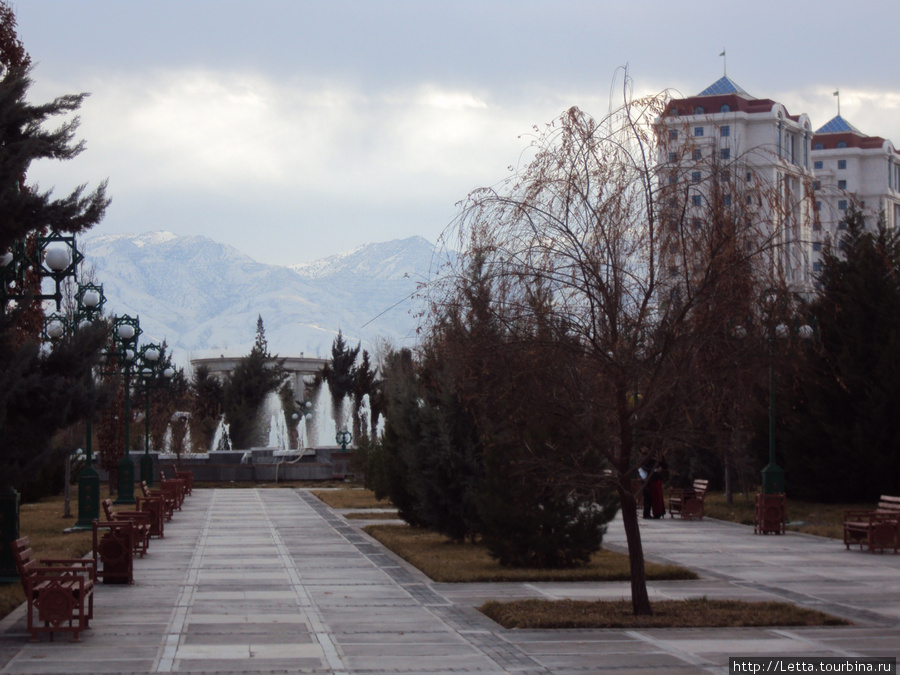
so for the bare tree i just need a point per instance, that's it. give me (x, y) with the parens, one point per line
(649, 283)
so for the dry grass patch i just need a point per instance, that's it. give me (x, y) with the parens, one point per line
(448, 561)
(352, 498)
(43, 524)
(692, 613)
(372, 515)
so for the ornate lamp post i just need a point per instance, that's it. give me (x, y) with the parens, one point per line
(54, 256)
(149, 370)
(90, 301)
(772, 474)
(343, 438)
(125, 335)
(303, 409)
(57, 257)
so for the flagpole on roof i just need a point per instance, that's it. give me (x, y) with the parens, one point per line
(838, 94)
(724, 63)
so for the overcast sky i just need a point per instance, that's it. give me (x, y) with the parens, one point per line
(293, 130)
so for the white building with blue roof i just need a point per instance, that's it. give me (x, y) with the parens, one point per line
(851, 166)
(725, 142)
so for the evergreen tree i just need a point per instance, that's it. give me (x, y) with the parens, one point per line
(366, 384)
(341, 372)
(41, 391)
(206, 396)
(255, 377)
(840, 437)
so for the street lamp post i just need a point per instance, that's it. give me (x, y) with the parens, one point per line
(90, 300)
(343, 438)
(772, 474)
(303, 409)
(125, 334)
(149, 370)
(55, 256)
(773, 482)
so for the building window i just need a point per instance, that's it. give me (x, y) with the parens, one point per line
(726, 176)
(726, 200)
(818, 165)
(841, 144)
(725, 108)
(842, 185)
(818, 146)
(817, 246)
(817, 185)
(699, 111)
(749, 200)
(696, 200)
(725, 131)
(695, 177)
(726, 153)
(673, 134)
(673, 156)
(817, 267)
(818, 206)
(698, 155)
(698, 131)
(842, 225)
(697, 223)
(749, 177)
(842, 163)
(842, 204)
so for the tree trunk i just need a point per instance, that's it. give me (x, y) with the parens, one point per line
(67, 488)
(640, 600)
(729, 496)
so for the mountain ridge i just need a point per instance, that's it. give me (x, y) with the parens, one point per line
(200, 295)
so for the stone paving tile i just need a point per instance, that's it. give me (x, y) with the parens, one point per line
(266, 581)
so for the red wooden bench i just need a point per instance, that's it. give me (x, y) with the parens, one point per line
(141, 524)
(168, 500)
(114, 551)
(173, 487)
(188, 477)
(156, 507)
(60, 590)
(688, 501)
(879, 529)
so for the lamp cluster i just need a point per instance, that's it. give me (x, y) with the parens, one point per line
(54, 256)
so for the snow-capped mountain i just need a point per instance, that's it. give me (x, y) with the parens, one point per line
(201, 296)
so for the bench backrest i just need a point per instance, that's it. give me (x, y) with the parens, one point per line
(24, 562)
(700, 486)
(888, 504)
(108, 509)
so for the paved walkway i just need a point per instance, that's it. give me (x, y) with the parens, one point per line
(273, 581)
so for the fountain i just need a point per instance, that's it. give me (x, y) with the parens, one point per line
(364, 417)
(221, 438)
(272, 411)
(322, 422)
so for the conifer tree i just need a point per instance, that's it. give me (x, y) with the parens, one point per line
(255, 377)
(206, 395)
(41, 391)
(841, 428)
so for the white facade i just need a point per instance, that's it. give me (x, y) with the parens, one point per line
(725, 135)
(850, 166)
